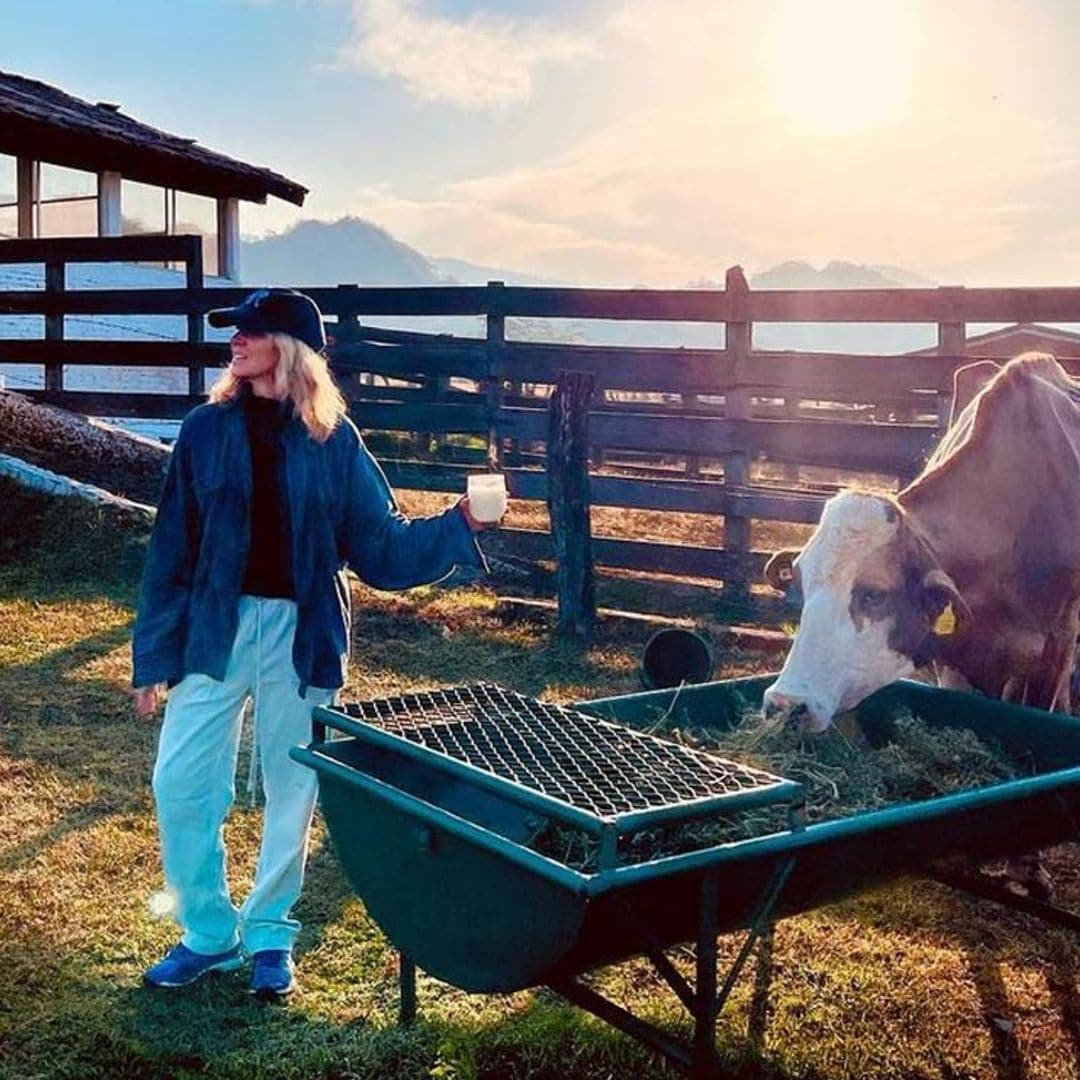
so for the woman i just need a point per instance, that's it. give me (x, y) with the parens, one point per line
(270, 493)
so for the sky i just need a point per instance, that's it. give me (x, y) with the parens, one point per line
(620, 142)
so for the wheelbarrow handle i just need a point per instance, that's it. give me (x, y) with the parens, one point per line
(325, 716)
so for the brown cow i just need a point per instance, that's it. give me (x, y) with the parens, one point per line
(973, 569)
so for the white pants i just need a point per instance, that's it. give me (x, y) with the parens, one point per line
(194, 786)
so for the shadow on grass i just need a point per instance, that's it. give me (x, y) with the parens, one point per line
(990, 939)
(94, 1025)
(57, 549)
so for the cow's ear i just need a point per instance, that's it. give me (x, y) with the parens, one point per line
(778, 571)
(942, 602)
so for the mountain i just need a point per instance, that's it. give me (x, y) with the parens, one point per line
(347, 251)
(841, 337)
(836, 275)
(460, 272)
(356, 251)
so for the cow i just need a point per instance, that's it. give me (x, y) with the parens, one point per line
(973, 570)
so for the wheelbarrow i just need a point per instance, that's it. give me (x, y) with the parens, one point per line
(433, 802)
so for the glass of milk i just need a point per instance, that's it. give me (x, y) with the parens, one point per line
(487, 496)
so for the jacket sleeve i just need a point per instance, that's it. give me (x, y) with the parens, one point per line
(161, 621)
(390, 551)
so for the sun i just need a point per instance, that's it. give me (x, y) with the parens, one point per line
(840, 66)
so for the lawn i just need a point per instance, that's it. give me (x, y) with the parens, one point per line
(906, 981)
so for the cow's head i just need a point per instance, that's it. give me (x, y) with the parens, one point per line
(876, 605)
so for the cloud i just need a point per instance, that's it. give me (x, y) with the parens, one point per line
(481, 62)
(456, 223)
(694, 163)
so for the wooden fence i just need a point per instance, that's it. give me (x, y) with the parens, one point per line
(677, 429)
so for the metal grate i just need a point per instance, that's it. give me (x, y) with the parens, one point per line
(596, 766)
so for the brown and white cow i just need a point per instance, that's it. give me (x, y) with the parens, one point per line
(974, 568)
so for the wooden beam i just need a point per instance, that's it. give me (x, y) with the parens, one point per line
(428, 361)
(679, 496)
(100, 249)
(737, 408)
(568, 504)
(99, 403)
(683, 559)
(882, 305)
(109, 214)
(951, 338)
(459, 419)
(55, 282)
(152, 354)
(228, 238)
(26, 193)
(495, 364)
(196, 327)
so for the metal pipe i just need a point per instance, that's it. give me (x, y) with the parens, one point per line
(706, 1005)
(758, 925)
(618, 1017)
(407, 986)
(663, 965)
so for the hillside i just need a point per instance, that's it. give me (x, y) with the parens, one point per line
(345, 251)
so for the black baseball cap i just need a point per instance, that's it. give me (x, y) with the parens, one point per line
(268, 311)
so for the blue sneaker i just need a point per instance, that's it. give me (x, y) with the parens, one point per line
(272, 974)
(182, 966)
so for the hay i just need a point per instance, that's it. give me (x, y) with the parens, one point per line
(841, 771)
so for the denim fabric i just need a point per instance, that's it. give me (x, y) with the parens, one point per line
(342, 513)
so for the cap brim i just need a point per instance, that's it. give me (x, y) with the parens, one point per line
(226, 316)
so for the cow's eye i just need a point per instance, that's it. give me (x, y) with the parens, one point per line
(866, 596)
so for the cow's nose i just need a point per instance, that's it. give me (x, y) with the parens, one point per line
(799, 718)
(776, 706)
(796, 713)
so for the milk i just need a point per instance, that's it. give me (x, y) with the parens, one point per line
(487, 496)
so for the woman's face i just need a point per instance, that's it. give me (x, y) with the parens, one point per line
(253, 355)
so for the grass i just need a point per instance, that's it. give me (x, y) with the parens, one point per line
(908, 981)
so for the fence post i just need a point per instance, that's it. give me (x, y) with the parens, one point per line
(951, 341)
(568, 503)
(346, 332)
(196, 328)
(55, 284)
(737, 342)
(496, 365)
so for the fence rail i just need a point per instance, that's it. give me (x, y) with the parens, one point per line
(700, 420)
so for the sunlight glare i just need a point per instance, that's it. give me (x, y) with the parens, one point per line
(839, 66)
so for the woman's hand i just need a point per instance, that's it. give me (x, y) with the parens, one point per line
(147, 699)
(476, 526)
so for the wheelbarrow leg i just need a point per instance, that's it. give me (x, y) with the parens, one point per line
(706, 1004)
(407, 984)
(709, 1001)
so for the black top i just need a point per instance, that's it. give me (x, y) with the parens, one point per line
(269, 565)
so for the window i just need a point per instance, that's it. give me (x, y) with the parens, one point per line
(149, 210)
(9, 210)
(143, 209)
(66, 203)
(198, 214)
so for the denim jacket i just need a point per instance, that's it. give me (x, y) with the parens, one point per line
(342, 513)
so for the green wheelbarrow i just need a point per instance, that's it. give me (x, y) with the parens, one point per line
(434, 801)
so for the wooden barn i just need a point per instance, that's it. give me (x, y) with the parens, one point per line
(1008, 341)
(69, 167)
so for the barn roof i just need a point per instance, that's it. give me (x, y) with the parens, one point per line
(1020, 337)
(47, 124)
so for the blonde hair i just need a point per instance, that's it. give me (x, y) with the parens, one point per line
(302, 376)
